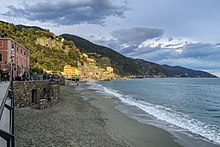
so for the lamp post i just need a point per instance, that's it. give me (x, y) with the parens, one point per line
(11, 72)
(0, 72)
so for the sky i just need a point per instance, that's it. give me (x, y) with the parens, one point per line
(174, 32)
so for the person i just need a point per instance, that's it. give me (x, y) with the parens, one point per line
(5, 77)
(46, 96)
(77, 80)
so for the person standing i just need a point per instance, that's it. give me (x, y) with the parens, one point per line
(5, 77)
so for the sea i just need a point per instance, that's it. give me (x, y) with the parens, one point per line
(187, 107)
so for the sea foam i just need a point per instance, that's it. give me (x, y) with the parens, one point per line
(167, 115)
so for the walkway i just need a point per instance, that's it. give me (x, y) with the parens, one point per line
(4, 123)
(3, 88)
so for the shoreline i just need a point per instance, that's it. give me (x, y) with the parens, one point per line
(134, 133)
(85, 117)
(181, 138)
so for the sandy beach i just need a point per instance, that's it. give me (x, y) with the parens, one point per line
(85, 118)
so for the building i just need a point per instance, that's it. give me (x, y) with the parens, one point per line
(71, 72)
(109, 69)
(12, 54)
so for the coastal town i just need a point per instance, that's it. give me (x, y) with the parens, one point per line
(35, 89)
(66, 91)
(15, 63)
(42, 103)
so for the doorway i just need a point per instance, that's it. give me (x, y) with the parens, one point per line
(34, 96)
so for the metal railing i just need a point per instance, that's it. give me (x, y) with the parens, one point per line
(8, 136)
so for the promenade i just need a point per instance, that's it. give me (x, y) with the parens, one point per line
(4, 123)
(3, 88)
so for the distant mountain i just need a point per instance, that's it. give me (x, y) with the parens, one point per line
(125, 66)
(179, 71)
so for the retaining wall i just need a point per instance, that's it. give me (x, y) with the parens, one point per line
(29, 93)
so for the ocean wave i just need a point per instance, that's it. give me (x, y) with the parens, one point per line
(167, 115)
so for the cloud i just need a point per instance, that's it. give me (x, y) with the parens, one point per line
(68, 12)
(127, 40)
(195, 55)
(139, 43)
(150, 45)
(137, 34)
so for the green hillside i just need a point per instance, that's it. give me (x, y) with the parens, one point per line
(47, 51)
(122, 65)
(51, 52)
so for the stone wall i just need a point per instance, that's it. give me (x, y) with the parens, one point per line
(28, 93)
(62, 81)
(54, 92)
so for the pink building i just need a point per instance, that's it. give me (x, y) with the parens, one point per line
(15, 55)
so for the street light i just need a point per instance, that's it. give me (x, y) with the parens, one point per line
(0, 72)
(11, 72)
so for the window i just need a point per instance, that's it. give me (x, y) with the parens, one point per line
(1, 44)
(12, 45)
(21, 61)
(0, 56)
(17, 49)
(21, 50)
(24, 52)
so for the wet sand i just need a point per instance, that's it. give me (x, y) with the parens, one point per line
(85, 118)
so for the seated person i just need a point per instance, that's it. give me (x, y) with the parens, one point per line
(46, 96)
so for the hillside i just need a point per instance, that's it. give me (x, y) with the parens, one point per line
(125, 66)
(179, 71)
(122, 65)
(48, 52)
(51, 52)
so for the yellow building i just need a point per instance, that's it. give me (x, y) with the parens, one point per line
(109, 69)
(71, 71)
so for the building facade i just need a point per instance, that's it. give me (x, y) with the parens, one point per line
(71, 72)
(13, 55)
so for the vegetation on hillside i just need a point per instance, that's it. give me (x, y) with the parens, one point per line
(43, 56)
(50, 52)
(122, 65)
(125, 66)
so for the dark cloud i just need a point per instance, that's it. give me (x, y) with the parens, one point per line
(148, 44)
(69, 12)
(201, 50)
(170, 39)
(127, 40)
(137, 34)
(131, 43)
(193, 55)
